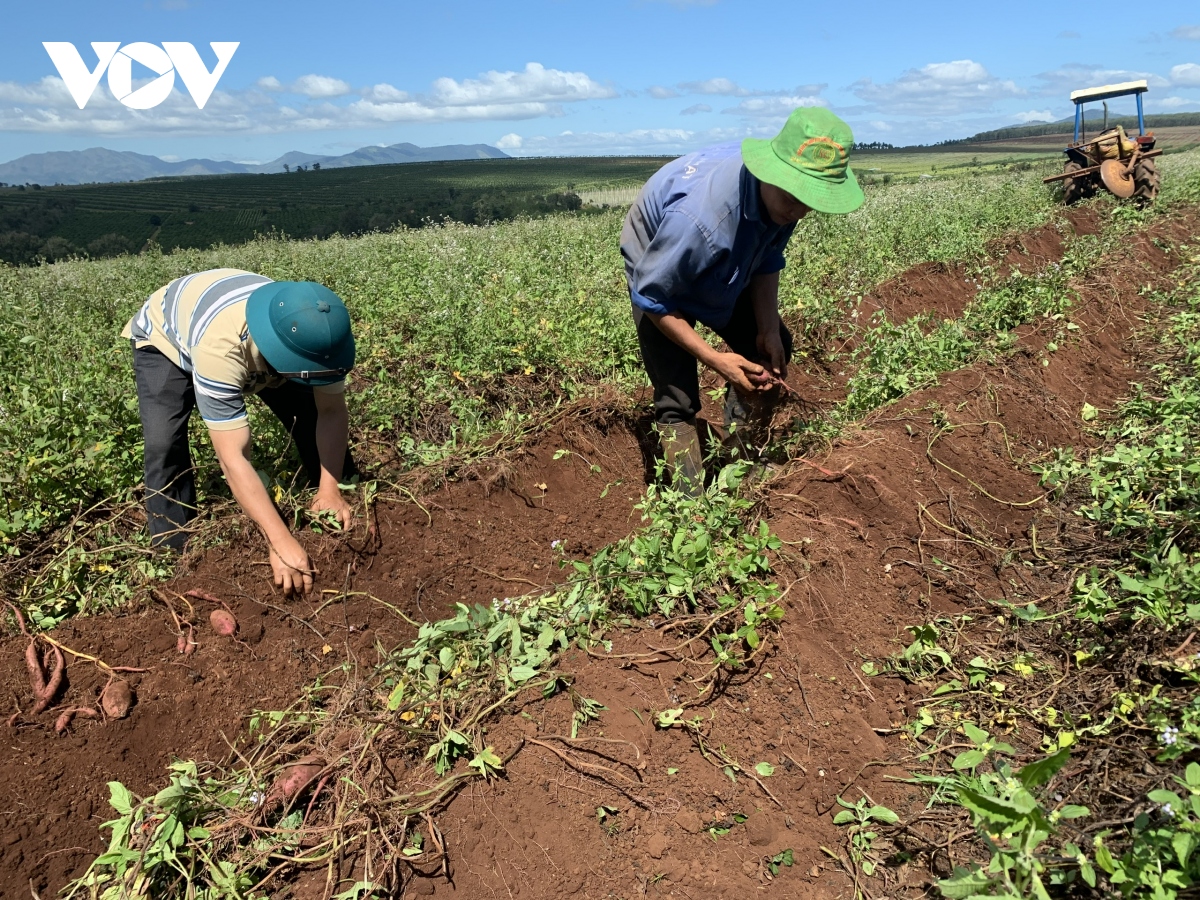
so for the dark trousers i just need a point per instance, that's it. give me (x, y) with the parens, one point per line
(166, 398)
(672, 369)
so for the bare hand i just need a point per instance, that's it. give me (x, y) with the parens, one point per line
(746, 376)
(336, 504)
(292, 569)
(770, 345)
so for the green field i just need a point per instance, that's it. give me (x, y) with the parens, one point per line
(197, 212)
(472, 334)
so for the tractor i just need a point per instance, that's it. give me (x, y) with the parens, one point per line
(1122, 164)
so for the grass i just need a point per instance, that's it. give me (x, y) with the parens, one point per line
(463, 332)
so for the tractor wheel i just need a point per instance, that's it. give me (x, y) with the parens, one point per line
(1146, 179)
(1078, 188)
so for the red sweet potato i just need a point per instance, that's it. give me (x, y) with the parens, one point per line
(116, 699)
(45, 688)
(64, 721)
(293, 779)
(187, 642)
(223, 622)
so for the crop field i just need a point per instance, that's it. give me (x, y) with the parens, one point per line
(228, 209)
(938, 641)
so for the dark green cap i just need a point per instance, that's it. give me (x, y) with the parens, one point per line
(302, 330)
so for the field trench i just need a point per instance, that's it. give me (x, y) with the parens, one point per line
(857, 532)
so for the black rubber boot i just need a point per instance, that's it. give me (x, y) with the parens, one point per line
(682, 454)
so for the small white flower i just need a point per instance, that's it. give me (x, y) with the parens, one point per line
(1166, 810)
(554, 544)
(1169, 736)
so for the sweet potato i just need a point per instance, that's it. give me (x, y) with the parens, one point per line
(116, 699)
(223, 622)
(293, 779)
(64, 721)
(187, 642)
(45, 688)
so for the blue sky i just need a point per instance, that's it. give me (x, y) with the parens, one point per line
(566, 77)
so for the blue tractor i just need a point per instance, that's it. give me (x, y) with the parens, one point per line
(1114, 160)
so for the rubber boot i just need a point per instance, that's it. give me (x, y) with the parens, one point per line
(747, 419)
(681, 452)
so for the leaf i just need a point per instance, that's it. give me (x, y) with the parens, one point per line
(522, 673)
(883, 814)
(668, 717)
(975, 733)
(964, 884)
(1038, 773)
(765, 769)
(487, 762)
(968, 759)
(1089, 412)
(396, 697)
(120, 798)
(1073, 811)
(843, 818)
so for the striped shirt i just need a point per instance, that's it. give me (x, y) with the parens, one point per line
(199, 323)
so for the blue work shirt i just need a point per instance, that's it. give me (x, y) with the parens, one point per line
(696, 236)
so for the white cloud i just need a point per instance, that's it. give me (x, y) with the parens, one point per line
(648, 141)
(1034, 115)
(385, 93)
(1174, 102)
(938, 89)
(720, 86)
(535, 84)
(1187, 33)
(696, 108)
(880, 126)
(772, 107)
(1186, 75)
(658, 92)
(510, 141)
(535, 92)
(1076, 76)
(320, 86)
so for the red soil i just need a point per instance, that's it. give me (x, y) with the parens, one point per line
(859, 530)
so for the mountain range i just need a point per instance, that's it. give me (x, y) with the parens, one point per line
(98, 164)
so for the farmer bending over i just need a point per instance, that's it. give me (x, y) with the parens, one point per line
(206, 341)
(704, 243)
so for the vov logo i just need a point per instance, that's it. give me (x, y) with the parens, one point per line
(171, 58)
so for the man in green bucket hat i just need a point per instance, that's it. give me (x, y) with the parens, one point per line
(204, 342)
(704, 243)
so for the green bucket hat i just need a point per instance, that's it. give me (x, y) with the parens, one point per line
(809, 159)
(302, 330)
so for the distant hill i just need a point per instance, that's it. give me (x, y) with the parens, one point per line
(100, 165)
(1093, 119)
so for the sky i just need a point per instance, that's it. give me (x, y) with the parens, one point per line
(568, 77)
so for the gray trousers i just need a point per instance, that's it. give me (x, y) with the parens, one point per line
(166, 398)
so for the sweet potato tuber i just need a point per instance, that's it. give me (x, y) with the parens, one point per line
(293, 779)
(187, 642)
(116, 699)
(45, 687)
(64, 721)
(223, 622)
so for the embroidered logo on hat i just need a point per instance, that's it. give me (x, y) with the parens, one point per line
(821, 154)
